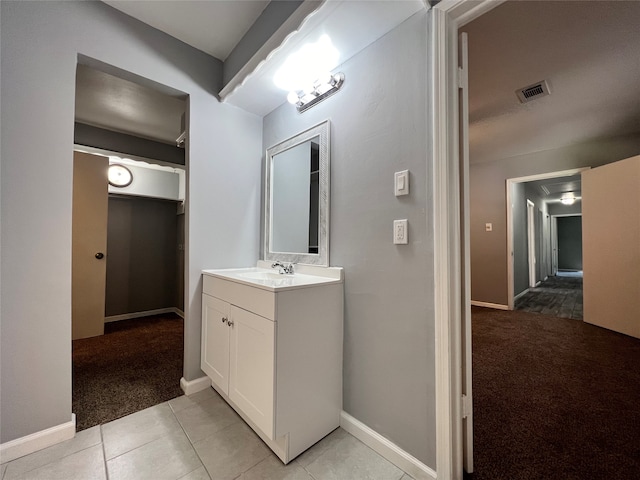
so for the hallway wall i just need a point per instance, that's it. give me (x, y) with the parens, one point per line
(570, 243)
(41, 45)
(378, 124)
(488, 203)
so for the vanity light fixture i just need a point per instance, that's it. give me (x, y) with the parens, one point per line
(119, 175)
(322, 88)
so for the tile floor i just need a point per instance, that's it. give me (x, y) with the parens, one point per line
(194, 438)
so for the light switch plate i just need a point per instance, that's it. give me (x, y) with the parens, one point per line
(488, 227)
(401, 183)
(400, 232)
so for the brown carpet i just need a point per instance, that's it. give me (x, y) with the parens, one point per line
(553, 399)
(136, 364)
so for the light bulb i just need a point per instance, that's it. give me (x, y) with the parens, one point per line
(293, 98)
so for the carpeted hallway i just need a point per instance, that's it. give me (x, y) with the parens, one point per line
(136, 364)
(554, 398)
(559, 296)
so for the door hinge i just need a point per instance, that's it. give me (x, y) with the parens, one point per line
(467, 407)
(462, 78)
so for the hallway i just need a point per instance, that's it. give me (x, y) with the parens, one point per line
(559, 296)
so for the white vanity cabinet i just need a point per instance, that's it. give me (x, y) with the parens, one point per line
(238, 357)
(273, 350)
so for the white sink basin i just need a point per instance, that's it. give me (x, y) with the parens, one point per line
(260, 275)
(269, 279)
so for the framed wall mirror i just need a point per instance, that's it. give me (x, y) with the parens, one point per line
(297, 198)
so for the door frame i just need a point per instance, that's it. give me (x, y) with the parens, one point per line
(443, 128)
(531, 242)
(509, 212)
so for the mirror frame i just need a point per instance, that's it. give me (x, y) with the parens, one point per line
(321, 130)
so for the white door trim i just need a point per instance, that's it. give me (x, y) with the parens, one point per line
(531, 242)
(445, 18)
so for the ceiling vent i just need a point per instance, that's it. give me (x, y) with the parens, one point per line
(532, 92)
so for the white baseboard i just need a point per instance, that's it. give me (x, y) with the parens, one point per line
(496, 306)
(190, 387)
(37, 441)
(524, 292)
(386, 448)
(146, 313)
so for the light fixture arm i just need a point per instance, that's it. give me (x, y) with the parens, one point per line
(322, 89)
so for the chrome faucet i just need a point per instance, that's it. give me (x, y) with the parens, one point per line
(283, 267)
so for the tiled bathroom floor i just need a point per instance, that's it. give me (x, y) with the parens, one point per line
(194, 438)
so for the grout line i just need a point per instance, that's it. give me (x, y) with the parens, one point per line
(104, 454)
(190, 442)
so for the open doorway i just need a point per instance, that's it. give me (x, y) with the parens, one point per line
(535, 205)
(128, 246)
(517, 154)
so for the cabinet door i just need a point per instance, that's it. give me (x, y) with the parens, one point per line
(214, 359)
(251, 384)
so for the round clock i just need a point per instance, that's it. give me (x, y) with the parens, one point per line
(119, 175)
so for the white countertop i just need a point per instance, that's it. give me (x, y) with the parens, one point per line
(267, 278)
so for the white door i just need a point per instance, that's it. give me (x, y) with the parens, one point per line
(89, 244)
(467, 422)
(531, 242)
(252, 367)
(215, 341)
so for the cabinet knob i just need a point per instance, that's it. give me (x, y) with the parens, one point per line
(230, 323)
(224, 320)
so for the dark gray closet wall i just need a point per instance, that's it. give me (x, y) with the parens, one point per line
(142, 247)
(570, 243)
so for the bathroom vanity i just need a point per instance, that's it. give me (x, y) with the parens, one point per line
(272, 347)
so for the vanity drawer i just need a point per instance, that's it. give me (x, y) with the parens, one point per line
(256, 300)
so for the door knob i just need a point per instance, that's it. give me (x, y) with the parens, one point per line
(99, 255)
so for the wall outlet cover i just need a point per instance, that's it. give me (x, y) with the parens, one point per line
(400, 232)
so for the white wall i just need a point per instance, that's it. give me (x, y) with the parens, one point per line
(40, 43)
(378, 127)
(149, 182)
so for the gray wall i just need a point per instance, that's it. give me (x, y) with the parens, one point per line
(558, 208)
(570, 243)
(40, 46)
(126, 144)
(488, 203)
(142, 248)
(378, 125)
(520, 242)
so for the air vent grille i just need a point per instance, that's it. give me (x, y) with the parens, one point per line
(532, 92)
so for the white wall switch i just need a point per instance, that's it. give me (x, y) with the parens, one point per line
(401, 183)
(488, 227)
(400, 232)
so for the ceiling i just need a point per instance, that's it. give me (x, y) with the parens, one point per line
(551, 190)
(112, 103)
(588, 53)
(213, 26)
